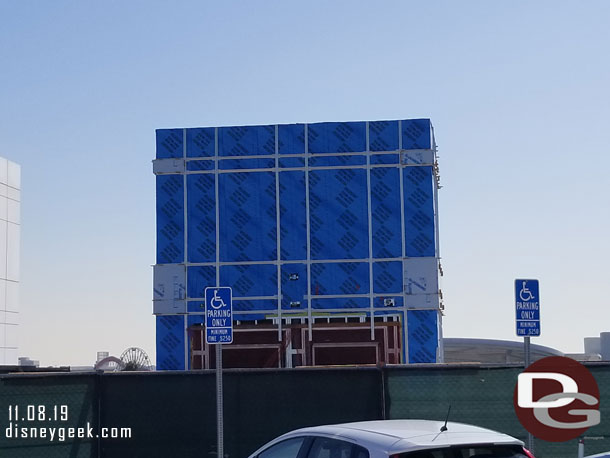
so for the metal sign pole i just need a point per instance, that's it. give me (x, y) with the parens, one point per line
(219, 329)
(527, 358)
(527, 308)
(219, 406)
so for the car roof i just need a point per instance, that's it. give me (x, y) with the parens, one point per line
(396, 436)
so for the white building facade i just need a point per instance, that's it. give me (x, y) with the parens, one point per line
(10, 231)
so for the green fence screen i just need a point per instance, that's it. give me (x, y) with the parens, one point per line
(483, 396)
(173, 414)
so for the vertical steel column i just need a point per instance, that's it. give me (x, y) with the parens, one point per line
(217, 206)
(308, 295)
(440, 358)
(435, 188)
(370, 230)
(405, 323)
(219, 390)
(278, 235)
(185, 212)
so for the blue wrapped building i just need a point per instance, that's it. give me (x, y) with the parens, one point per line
(323, 227)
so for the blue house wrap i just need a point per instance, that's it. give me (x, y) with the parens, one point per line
(334, 217)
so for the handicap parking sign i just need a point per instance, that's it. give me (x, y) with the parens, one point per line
(527, 307)
(218, 315)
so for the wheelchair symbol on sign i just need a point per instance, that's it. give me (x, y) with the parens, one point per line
(525, 294)
(216, 302)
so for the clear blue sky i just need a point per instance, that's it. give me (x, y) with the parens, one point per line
(518, 92)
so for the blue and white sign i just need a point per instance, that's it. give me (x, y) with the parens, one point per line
(527, 307)
(218, 315)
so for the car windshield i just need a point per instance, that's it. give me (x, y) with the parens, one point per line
(469, 451)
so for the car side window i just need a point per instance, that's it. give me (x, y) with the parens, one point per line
(428, 454)
(285, 449)
(492, 452)
(324, 447)
(468, 452)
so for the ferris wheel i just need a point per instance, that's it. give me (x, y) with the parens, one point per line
(135, 359)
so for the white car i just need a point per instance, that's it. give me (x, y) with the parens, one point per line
(394, 439)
